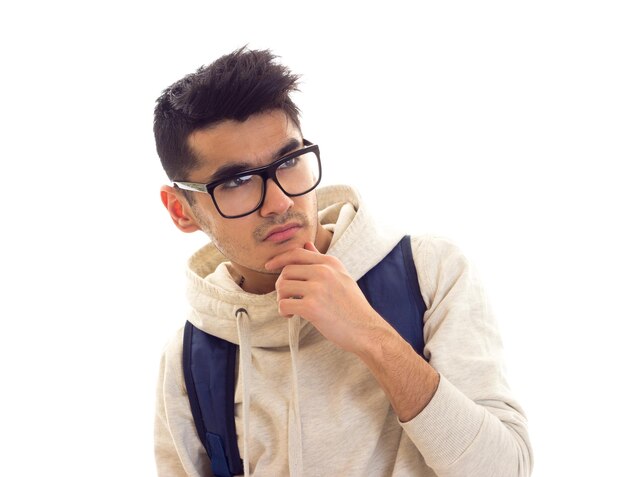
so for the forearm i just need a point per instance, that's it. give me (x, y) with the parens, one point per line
(407, 379)
(472, 426)
(455, 435)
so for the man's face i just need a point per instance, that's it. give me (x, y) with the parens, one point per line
(249, 241)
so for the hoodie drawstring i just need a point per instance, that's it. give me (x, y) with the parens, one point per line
(245, 368)
(294, 433)
(295, 426)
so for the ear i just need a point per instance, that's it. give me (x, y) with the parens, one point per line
(179, 209)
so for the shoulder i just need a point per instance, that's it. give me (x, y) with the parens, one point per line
(431, 253)
(440, 264)
(434, 247)
(174, 347)
(171, 362)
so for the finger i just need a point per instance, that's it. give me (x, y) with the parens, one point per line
(288, 307)
(297, 289)
(287, 289)
(298, 256)
(300, 272)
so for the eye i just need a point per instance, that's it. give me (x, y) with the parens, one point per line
(236, 182)
(289, 163)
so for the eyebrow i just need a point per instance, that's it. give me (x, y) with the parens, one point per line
(233, 168)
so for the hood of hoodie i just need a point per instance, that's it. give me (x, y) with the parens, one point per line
(215, 298)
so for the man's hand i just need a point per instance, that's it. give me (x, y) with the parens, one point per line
(318, 288)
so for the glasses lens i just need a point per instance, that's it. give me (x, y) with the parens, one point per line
(243, 194)
(300, 174)
(239, 195)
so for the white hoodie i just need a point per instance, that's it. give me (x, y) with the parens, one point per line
(305, 407)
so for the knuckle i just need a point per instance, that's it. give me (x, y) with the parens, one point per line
(314, 309)
(334, 260)
(318, 288)
(285, 273)
(326, 271)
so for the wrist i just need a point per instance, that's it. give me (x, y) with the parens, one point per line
(380, 343)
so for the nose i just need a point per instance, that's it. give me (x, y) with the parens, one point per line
(276, 202)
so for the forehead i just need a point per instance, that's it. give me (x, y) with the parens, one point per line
(254, 141)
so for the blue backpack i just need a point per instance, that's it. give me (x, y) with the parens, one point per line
(391, 287)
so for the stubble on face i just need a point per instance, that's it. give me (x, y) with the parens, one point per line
(239, 252)
(290, 216)
(257, 141)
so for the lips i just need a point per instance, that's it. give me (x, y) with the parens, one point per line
(282, 233)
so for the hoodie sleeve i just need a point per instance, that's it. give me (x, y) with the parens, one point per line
(178, 451)
(472, 426)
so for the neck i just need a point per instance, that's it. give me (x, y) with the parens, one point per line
(255, 282)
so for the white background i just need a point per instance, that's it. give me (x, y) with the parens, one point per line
(497, 124)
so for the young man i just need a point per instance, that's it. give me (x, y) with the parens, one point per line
(324, 384)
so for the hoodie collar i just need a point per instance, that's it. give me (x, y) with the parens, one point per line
(215, 298)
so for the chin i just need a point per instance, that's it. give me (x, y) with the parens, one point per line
(287, 245)
(283, 247)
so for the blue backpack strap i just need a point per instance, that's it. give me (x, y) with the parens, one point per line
(393, 290)
(209, 369)
(391, 287)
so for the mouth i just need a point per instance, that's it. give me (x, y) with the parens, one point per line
(282, 233)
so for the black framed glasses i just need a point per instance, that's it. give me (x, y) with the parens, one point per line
(241, 194)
